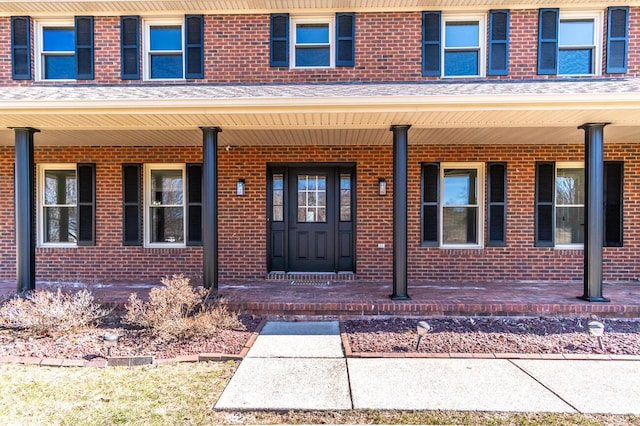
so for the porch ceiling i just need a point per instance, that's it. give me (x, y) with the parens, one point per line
(531, 112)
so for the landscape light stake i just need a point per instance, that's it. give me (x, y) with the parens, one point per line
(596, 329)
(423, 329)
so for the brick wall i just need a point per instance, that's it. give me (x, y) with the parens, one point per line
(388, 48)
(242, 221)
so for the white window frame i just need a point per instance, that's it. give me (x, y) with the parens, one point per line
(38, 43)
(597, 17)
(564, 165)
(146, 57)
(481, 19)
(294, 21)
(40, 217)
(148, 203)
(480, 204)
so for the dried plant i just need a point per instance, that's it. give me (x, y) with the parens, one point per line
(177, 310)
(46, 312)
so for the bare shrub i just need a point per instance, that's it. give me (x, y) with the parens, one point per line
(178, 310)
(48, 313)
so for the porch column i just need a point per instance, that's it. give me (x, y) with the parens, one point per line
(24, 189)
(593, 211)
(400, 191)
(210, 206)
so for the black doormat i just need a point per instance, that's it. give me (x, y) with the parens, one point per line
(316, 283)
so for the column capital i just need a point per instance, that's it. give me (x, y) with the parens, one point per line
(211, 128)
(26, 129)
(586, 126)
(399, 127)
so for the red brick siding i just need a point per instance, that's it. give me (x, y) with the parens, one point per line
(242, 220)
(388, 48)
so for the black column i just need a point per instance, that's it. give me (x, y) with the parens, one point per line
(400, 196)
(593, 211)
(210, 206)
(24, 189)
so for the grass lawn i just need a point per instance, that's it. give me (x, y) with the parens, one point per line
(186, 393)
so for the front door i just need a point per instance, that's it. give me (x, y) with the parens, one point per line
(311, 224)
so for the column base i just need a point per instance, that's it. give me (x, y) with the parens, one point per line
(399, 297)
(593, 298)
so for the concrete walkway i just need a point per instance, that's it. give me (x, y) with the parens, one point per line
(301, 366)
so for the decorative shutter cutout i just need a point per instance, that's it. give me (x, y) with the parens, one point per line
(194, 46)
(497, 197)
(430, 198)
(548, 41)
(279, 43)
(617, 39)
(86, 204)
(498, 42)
(84, 47)
(431, 44)
(545, 203)
(194, 204)
(129, 48)
(613, 199)
(131, 204)
(20, 48)
(345, 39)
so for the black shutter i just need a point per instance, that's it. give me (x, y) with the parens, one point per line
(20, 48)
(129, 48)
(279, 43)
(545, 203)
(194, 204)
(430, 198)
(549, 21)
(498, 42)
(194, 46)
(613, 191)
(617, 39)
(84, 47)
(345, 39)
(431, 48)
(131, 205)
(86, 204)
(497, 208)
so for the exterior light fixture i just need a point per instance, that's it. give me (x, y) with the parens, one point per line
(110, 341)
(596, 329)
(423, 328)
(240, 188)
(382, 186)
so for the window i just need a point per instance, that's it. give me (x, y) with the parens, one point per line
(165, 201)
(66, 204)
(560, 204)
(454, 45)
(164, 53)
(452, 204)
(65, 49)
(570, 43)
(312, 42)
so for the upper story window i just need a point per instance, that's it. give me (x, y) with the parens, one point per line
(64, 49)
(455, 45)
(312, 42)
(164, 53)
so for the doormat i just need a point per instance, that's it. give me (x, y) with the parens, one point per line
(317, 283)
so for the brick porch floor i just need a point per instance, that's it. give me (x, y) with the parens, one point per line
(348, 298)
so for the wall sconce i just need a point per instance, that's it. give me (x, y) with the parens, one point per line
(382, 186)
(240, 187)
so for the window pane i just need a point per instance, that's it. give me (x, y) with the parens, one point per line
(575, 61)
(59, 67)
(167, 225)
(60, 225)
(569, 186)
(313, 57)
(312, 33)
(570, 225)
(461, 34)
(460, 63)
(278, 197)
(166, 66)
(459, 225)
(312, 198)
(60, 187)
(460, 187)
(345, 197)
(576, 33)
(58, 39)
(166, 187)
(166, 38)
